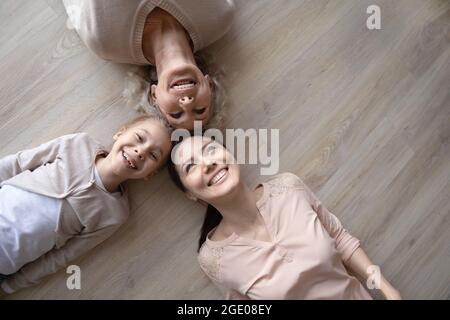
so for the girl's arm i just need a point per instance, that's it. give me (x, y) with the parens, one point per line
(29, 159)
(2, 293)
(56, 259)
(360, 264)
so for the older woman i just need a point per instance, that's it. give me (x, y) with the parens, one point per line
(163, 33)
(276, 241)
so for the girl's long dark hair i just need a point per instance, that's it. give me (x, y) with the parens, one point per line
(212, 215)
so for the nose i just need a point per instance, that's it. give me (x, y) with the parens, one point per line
(209, 164)
(139, 153)
(185, 100)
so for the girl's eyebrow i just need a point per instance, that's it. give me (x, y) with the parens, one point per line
(158, 149)
(146, 131)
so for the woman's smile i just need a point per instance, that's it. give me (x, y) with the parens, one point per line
(218, 177)
(183, 84)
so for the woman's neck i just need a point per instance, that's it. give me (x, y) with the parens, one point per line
(165, 42)
(110, 181)
(239, 210)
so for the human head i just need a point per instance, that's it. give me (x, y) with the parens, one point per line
(141, 147)
(209, 159)
(206, 169)
(186, 93)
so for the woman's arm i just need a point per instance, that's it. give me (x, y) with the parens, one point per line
(352, 254)
(360, 264)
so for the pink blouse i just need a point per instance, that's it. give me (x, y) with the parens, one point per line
(304, 259)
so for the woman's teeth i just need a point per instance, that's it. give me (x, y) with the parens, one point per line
(183, 84)
(130, 164)
(218, 176)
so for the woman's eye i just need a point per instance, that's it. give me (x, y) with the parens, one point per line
(138, 137)
(176, 115)
(153, 156)
(200, 111)
(189, 167)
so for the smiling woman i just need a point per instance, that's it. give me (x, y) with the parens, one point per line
(164, 35)
(276, 241)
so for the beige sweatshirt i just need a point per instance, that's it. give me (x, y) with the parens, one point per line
(304, 259)
(64, 169)
(113, 29)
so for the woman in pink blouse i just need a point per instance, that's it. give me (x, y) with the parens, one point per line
(276, 241)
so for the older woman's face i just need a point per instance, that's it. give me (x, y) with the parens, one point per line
(183, 94)
(206, 168)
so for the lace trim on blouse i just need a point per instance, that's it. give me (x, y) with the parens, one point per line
(209, 259)
(283, 183)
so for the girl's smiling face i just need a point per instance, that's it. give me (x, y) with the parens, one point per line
(140, 149)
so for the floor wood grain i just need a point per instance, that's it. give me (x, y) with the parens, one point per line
(364, 118)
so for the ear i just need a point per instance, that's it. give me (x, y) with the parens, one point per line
(152, 94)
(119, 133)
(191, 196)
(210, 82)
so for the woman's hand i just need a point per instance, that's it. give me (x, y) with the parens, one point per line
(389, 292)
(360, 264)
(392, 295)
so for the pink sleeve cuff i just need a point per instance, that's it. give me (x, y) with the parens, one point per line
(347, 245)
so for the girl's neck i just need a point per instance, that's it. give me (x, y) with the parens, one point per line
(110, 181)
(165, 42)
(239, 210)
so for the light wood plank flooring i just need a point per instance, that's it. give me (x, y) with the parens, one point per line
(364, 118)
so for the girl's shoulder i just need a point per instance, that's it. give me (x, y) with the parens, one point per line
(83, 139)
(76, 138)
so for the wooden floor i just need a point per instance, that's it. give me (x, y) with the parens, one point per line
(364, 118)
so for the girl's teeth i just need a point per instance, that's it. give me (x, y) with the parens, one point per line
(129, 162)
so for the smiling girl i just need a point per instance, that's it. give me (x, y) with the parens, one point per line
(61, 199)
(276, 241)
